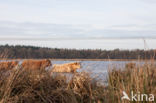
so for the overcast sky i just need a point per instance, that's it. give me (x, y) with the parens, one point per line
(77, 18)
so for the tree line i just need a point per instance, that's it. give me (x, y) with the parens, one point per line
(31, 52)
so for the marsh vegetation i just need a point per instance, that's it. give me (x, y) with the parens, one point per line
(39, 86)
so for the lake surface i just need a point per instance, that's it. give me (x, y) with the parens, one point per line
(97, 69)
(96, 66)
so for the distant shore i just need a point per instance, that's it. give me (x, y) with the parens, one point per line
(100, 60)
(89, 59)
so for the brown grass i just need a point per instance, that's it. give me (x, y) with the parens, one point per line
(21, 86)
(27, 86)
(133, 78)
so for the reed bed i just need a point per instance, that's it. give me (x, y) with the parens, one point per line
(27, 86)
(141, 79)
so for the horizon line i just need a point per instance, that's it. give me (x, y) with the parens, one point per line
(72, 38)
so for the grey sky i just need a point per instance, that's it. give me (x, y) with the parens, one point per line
(77, 18)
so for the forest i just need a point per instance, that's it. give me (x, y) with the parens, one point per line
(31, 52)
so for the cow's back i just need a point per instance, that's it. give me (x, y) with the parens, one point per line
(35, 64)
(31, 64)
(8, 65)
(62, 68)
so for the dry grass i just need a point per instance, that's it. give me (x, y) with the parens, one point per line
(27, 86)
(21, 86)
(133, 78)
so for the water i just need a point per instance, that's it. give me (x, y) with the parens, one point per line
(99, 69)
(98, 66)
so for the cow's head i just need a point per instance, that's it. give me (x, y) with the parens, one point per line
(77, 65)
(47, 63)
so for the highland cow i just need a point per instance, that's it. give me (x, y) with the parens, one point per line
(8, 65)
(36, 64)
(69, 67)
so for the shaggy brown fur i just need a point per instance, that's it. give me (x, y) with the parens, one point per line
(69, 67)
(36, 64)
(8, 65)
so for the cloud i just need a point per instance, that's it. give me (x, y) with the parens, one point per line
(48, 30)
(28, 29)
(145, 27)
(148, 1)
